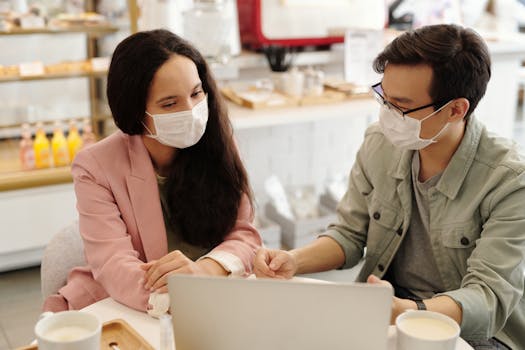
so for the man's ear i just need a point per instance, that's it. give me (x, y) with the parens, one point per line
(458, 109)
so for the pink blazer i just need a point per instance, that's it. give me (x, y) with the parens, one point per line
(122, 226)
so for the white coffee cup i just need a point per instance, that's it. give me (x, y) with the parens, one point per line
(426, 330)
(68, 330)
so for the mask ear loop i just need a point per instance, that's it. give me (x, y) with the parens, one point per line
(444, 127)
(435, 112)
(150, 133)
(440, 132)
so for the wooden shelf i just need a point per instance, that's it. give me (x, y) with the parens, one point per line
(245, 118)
(48, 76)
(12, 177)
(34, 178)
(94, 29)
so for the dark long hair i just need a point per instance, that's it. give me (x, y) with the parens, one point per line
(206, 181)
(458, 56)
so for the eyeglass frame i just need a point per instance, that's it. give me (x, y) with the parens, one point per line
(390, 105)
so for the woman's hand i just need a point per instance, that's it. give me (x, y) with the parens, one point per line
(274, 264)
(157, 271)
(398, 305)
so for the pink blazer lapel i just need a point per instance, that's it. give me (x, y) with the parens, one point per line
(144, 195)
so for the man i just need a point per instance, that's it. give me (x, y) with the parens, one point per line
(435, 199)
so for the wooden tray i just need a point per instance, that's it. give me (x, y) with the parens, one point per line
(116, 332)
(250, 100)
(328, 96)
(119, 332)
(279, 99)
(350, 89)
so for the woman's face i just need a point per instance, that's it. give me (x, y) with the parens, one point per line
(175, 87)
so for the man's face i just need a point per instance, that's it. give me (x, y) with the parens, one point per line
(407, 87)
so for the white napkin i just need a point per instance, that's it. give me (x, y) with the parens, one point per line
(160, 304)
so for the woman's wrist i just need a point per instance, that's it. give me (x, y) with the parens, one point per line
(212, 268)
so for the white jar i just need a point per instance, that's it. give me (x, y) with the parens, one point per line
(212, 26)
(313, 82)
(293, 82)
(167, 14)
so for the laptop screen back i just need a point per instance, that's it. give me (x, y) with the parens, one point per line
(212, 313)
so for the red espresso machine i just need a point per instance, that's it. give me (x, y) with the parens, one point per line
(295, 23)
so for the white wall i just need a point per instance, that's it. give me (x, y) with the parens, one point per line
(306, 153)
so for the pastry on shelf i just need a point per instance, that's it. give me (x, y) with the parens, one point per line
(5, 25)
(68, 67)
(6, 21)
(9, 71)
(75, 66)
(100, 64)
(56, 68)
(80, 19)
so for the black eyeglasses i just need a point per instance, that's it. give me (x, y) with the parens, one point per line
(380, 97)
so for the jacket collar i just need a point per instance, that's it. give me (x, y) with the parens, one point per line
(144, 195)
(458, 167)
(402, 160)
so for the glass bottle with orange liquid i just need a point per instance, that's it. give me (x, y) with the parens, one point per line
(41, 147)
(74, 141)
(59, 146)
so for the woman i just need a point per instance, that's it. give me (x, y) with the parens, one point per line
(171, 180)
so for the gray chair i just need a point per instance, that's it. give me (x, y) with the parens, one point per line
(62, 253)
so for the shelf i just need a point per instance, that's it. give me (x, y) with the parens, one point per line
(95, 29)
(47, 76)
(245, 118)
(88, 70)
(34, 178)
(12, 177)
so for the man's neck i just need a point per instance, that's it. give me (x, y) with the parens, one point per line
(434, 158)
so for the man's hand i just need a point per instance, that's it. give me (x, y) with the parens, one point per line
(398, 305)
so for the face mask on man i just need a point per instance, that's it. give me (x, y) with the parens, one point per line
(404, 131)
(180, 129)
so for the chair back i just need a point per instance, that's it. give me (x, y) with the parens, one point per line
(64, 252)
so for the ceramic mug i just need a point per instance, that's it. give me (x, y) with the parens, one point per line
(427, 330)
(68, 330)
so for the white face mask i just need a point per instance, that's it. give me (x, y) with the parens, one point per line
(404, 132)
(180, 129)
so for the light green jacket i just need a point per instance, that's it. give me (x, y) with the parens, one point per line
(477, 225)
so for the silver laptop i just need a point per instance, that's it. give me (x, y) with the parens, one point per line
(213, 313)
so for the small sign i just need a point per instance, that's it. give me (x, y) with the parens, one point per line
(32, 22)
(100, 64)
(361, 47)
(31, 69)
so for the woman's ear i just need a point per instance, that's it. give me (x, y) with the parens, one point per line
(458, 109)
